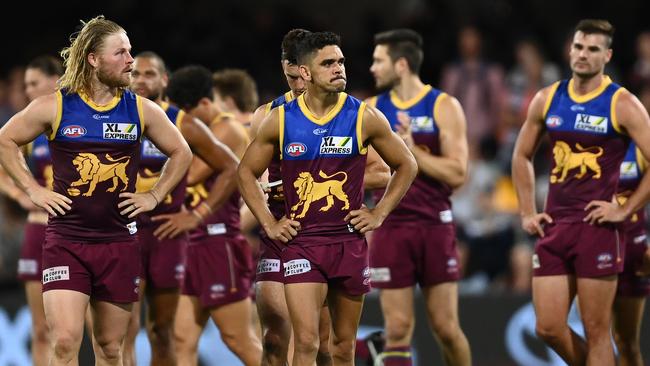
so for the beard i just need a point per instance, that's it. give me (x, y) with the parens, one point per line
(385, 84)
(112, 81)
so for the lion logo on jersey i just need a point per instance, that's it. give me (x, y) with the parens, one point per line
(195, 193)
(93, 171)
(566, 159)
(146, 181)
(310, 191)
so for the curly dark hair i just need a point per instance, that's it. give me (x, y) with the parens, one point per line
(188, 85)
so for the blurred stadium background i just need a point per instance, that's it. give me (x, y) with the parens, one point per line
(491, 54)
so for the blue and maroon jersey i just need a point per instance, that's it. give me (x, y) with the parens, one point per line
(95, 155)
(277, 207)
(152, 161)
(225, 220)
(422, 110)
(40, 161)
(587, 146)
(632, 169)
(323, 161)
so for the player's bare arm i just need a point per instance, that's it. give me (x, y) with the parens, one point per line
(377, 173)
(258, 116)
(633, 118)
(391, 148)
(22, 128)
(450, 167)
(170, 142)
(523, 174)
(215, 156)
(255, 161)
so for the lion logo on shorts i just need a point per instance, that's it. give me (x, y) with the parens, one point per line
(310, 191)
(93, 171)
(566, 159)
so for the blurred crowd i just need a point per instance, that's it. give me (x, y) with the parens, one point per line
(496, 253)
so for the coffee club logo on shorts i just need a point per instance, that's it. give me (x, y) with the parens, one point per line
(296, 266)
(119, 131)
(217, 290)
(73, 131)
(60, 273)
(295, 149)
(266, 265)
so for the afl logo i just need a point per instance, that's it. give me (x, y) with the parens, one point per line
(296, 149)
(73, 131)
(553, 121)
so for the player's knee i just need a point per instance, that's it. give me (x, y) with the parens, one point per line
(447, 332)
(161, 335)
(306, 342)
(343, 350)
(596, 327)
(66, 346)
(110, 350)
(398, 328)
(548, 332)
(275, 343)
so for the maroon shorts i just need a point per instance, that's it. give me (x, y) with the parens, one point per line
(162, 261)
(270, 263)
(217, 270)
(629, 284)
(104, 271)
(401, 256)
(578, 248)
(343, 265)
(31, 254)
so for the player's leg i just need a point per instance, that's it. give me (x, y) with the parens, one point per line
(305, 301)
(442, 309)
(160, 315)
(188, 325)
(399, 322)
(110, 323)
(40, 333)
(552, 298)
(596, 299)
(275, 322)
(345, 312)
(628, 316)
(233, 321)
(64, 312)
(324, 357)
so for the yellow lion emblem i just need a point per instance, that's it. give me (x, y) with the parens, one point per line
(195, 193)
(93, 171)
(566, 159)
(310, 191)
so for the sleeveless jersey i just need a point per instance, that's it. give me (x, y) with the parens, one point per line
(587, 148)
(151, 164)
(95, 155)
(323, 162)
(427, 200)
(225, 220)
(40, 161)
(276, 207)
(632, 169)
